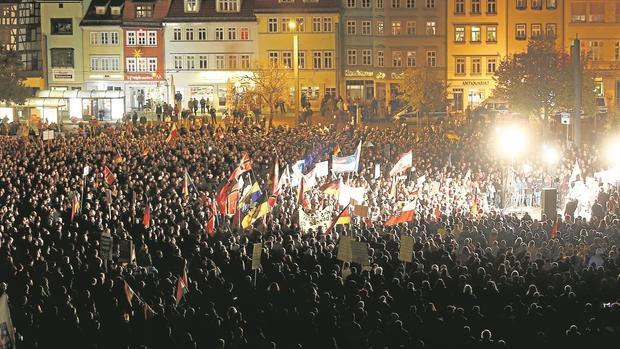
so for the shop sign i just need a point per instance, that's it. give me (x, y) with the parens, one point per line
(63, 74)
(476, 83)
(398, 76)
(144, 77)
(358, 72)
(380, 75)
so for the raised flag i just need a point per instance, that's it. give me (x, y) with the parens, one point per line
(185, 188)
(174, 133)
(232, 198)
(129, 293)
(347, 193)
(403, 164)
(250, 196)
(118, 159)
(86, 170)
(256, 213)
(300, 193)
(321, 169)
(7, 331)
(148, 311)
(337, 150)
(554, 230)
(211, 221)
(145, 152)
(244, 166)
(146, 219)
(404, 216)
(452, 135)
(75, 205)
(108, 176)
(347, 163)
(344, 217)
(331, 189)
(377, 171)
(181, 290)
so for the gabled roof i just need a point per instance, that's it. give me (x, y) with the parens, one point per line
(92, 18)
(207, 12)
(275, 6)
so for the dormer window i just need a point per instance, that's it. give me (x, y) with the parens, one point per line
(192, 5)
(228, 5)
(144, 11)
(115, 10)
(100, 10)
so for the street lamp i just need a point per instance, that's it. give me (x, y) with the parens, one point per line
(292, 25)
(511, 142)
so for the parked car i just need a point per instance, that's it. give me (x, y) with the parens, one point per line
(409, 115)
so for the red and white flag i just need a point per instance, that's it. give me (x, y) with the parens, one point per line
(403, 164)
(405, 216)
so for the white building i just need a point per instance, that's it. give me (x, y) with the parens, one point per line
(210, 44)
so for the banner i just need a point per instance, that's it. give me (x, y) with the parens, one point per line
(315, 220)
(346, 193)
(406, 249)
(359, 253)
(347, 163)
(321, 169)
(7, 331)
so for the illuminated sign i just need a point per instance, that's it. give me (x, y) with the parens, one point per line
(63, 74)
(476, 83)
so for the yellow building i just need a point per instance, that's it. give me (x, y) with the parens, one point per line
(476, 45)
(534, 19)
(316, 28)
(597, 25)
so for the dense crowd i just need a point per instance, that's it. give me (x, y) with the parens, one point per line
(479, 278)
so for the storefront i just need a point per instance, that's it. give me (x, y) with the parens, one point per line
(464, 94)
(216, 87)
(84, 105)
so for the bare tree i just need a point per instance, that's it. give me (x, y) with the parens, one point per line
(424, 89)
(268, 83)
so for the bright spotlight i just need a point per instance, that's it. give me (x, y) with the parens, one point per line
(511, 141)
(550, 155)
(613, 151)
(526, 169)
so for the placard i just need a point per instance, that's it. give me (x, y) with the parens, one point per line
(406, 249)
(257, 251)
(360, 211)
(344, 249)
(126, 252)
(105, 247)
(48, 135)
(359, 253)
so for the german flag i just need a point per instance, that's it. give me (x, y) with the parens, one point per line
(185, 188)
(108, 176)
(344, 217)
(75, 206)
(174, 133)
(331, 189)
(118, 159)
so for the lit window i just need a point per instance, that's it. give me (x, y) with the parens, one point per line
(459, 34)
(596, 50)
(491, 33)
(245, 33)
(192, 5)
(144, 11)
(460, 66)
(411, 58)
(520, 32)
(396, 28)
(380, 30)
(475, 33)
(431, 58)
(397, 59)
(431, 28)
(380, 58)
(274, 58)
(287, 59)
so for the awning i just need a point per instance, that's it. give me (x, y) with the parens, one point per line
(92, 94)
(44, 102)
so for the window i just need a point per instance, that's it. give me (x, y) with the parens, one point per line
(475, 66)
(411, 28)
(351, 57)
(316, 24)
(301, 59)
(578, 12)
(410, 3)
(491, 33)
(245, 62)
(189, 34)
(328, 59)
(397, 59)
(396, 28)
(152, 38)
(552, 4)
(411, 58)
(520, 32)
(301, 27)
(475, 33)
(617, 50)
(274, 57)
(219, 62)
(431, 28)
(219, 33)
(331, 91)
(327, 24)
(536, 31)
(350, 3)
(351, 26)
(596, 49)
(141, 37)
(131, 38)
(176, 34)
(491, 65)
(316, 59)
(287, 59)
(190, 63)
(202, 34)
(551, 31)
(459, 34)
(597, 12)
(192, 5)
(366, 28)
(272, 25)
(379, 4)
(366, 57)
(103, 38)
(144, 11)
(475, 7)
(152, 64)
(131, 65)
(491, 6)
(284, 25)
(521, 4)
(459, 7)
(105, 63)
(61, 26)
(178, 62)
(537, 4)
(380, 30)
(430, 3)
(395, 3)
(232, 62)
(380, 58)
(141, 65)
(245, 33)
(460, 66)
(227, 5)
(431, 58)
(203, 62)
(232, 33)
(366, 3)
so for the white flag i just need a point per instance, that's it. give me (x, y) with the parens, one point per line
(377, 171)
(321, 169)
(7, 332)
(576, 172)
(403, 163)
(86, 170)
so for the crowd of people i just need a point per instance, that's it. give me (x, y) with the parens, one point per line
(479, 278)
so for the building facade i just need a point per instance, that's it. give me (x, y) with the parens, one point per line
(210, 45)
(382, 38)
(316, 27)
(477, 32)
(597, 25)
(62, 40)
(143, 50)
(534, 19)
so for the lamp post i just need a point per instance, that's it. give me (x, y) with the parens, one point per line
(293, 27)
